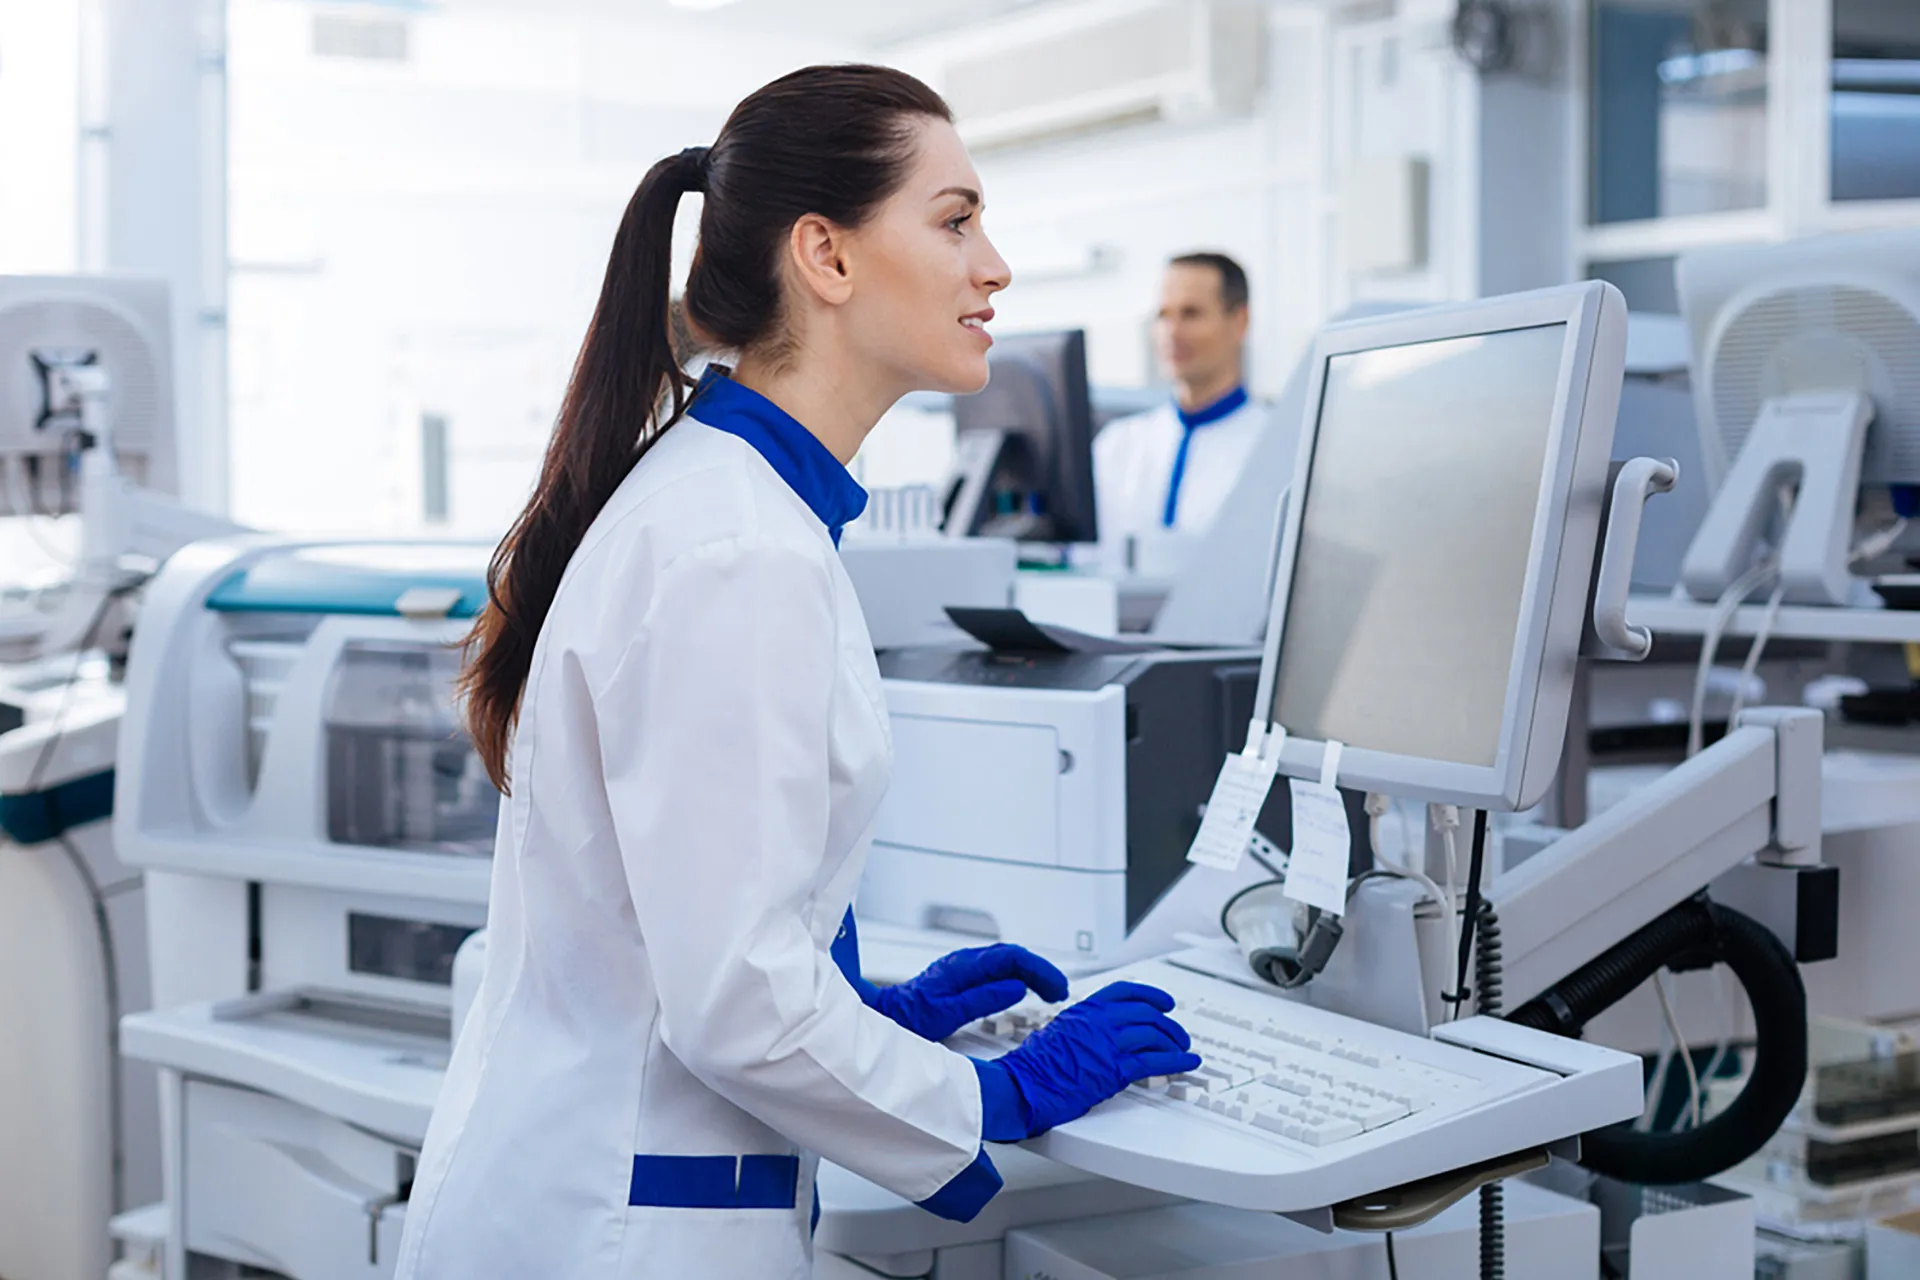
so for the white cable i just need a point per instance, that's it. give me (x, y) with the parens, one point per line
(1376, 807)
(1877, 544)
(1723, 610)
(1680, 1046)
(1657, 1083)
(1867, 548)
(1750, 668)
(1724, 1045)
(1446, 820)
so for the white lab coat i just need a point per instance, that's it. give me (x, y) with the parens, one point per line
(702, 749)
(1133, 462)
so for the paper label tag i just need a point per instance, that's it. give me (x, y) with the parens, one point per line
(1233, 808)
(1322, 844)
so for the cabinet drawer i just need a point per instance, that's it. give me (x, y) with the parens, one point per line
(278, 1185)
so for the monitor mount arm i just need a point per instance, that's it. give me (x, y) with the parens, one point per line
(1751, 798)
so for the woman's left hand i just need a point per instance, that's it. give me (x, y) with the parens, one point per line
(968, 985)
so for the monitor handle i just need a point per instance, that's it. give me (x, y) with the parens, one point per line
(1609, 634)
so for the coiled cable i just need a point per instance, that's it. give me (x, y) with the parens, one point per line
(1487, 984)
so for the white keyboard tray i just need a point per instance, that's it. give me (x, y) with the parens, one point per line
(1552, 1088)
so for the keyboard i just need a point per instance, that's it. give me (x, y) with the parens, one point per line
(1294, 1108)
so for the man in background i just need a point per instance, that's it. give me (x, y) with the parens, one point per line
(1161, 476)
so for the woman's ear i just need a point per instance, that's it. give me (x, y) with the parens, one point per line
(817, 249)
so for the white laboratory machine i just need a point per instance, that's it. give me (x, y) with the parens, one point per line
(86, 437)
(317, 836)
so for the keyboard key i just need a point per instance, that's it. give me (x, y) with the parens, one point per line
(1330, 1129)
(1380, 1112)
(1273, 1122)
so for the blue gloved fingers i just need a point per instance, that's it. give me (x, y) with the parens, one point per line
(1173, 1031)
(1140, 992)
(979, 965)
(1133, 1013)
(978, 1002)
(1037, 972)
(1139, 1066)
(1148, 1038)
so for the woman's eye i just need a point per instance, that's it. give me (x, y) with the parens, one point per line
(954, 224)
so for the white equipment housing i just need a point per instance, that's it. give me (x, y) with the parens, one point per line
(905, 584)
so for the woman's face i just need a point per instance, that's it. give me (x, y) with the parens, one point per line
(923, 271)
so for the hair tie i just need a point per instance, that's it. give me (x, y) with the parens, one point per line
(696, 164)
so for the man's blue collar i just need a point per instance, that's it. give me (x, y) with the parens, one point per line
(1219, 409)
(808, 467)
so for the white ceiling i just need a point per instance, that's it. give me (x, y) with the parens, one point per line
(858, 23)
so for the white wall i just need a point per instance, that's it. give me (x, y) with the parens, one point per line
(39, 142)
(430, 235)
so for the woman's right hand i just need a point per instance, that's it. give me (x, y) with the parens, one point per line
(1094, 1049)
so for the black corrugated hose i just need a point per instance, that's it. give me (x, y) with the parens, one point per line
(1696, 933)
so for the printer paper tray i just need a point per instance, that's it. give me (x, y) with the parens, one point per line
(381, 1078)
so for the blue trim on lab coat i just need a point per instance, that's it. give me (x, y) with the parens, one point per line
(1004, 1114)
(714, 1182)
(1189, 423)
(808, 467)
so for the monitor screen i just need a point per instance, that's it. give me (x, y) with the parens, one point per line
(1038, 486)
(1420, 502)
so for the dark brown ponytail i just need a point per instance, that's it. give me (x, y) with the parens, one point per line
(833, 141)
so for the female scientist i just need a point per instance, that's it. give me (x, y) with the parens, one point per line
(674, 677)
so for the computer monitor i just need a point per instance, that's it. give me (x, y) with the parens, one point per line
(1806, 374)
(1435, 562)
(1023, 447)
(111, 333)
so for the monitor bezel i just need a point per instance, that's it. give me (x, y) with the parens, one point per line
(1560, 558)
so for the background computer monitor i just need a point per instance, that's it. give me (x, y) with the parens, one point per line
(1836, 313)
(1828, 312)
(1436, 561)
(116, 324)
(1023, 447)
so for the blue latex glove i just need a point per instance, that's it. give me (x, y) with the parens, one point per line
(1119, 1034)
(965, 986)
